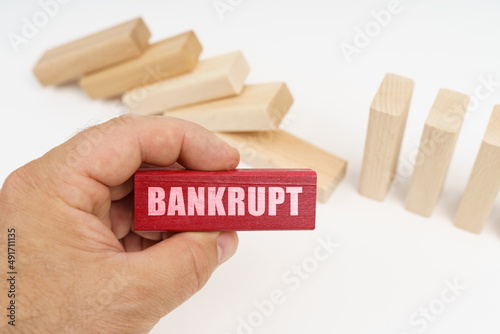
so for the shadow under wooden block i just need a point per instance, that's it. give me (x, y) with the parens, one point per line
(212, 78)
(279, 149)
(388, 114)
(105, 48)
(436, 149)
(258, 108)
(164, 59)
(484, 183)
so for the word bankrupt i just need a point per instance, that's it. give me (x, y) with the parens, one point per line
(233, 200)
(214, 201)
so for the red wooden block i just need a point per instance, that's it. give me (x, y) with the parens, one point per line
(241, 199)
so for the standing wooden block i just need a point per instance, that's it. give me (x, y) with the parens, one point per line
(484, 183)
(213, 78)
(258, 108)
(161, 60)
(241, 199)
(278, 149)
(436, 149)
(70, 61)
(388, 113)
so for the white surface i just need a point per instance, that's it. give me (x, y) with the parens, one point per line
(390, 263)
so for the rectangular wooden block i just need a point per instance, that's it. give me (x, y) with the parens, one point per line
(258, 108)
(436, 149)
(173, 56)
(279, 149)
(212, 78)
(484, 183)
(388, 113)
(111, 46)
(241, 199)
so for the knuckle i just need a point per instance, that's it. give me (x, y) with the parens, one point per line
(13, 184)
(33, 180)
(18, 178)
(10, 184)
(127, 118)
(116, 123)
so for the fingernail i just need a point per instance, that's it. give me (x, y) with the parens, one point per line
(227, 242)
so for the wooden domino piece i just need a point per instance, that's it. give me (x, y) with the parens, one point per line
(173, 56)
(279, 149)
(484, 183)
(213, 78)
(241, 199)
(388, 113)
(258, 108)
(111, 46)
(436, 149)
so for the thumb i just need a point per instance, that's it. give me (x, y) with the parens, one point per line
(174, 269)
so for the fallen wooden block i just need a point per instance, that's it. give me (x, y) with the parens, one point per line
(388, 113)
(436, 149)
(258, 108)
(212, 78)
(484, 183)
(278, 149)
(111, 46)
(161, 60)
(241, 199)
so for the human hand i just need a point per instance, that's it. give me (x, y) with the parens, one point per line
(80, 267)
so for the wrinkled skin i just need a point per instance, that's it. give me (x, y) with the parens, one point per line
(80, 267)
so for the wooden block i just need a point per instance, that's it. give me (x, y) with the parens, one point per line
(111, 46)
(213, 78)
(388, 113)
(436, 149)
(484, 183)
(278, 149)
(241, 199)
(258, 108)
(161, 60)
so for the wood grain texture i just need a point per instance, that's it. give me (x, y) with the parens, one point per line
(484, 183)
(388, 114)
(279, 149)
(108, 47)
(161, 60)
(436, 149)
(258, 108)
(213, 78)
(241, 199)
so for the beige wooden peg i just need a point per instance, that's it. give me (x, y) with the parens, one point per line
(436, 149)
(259, 107)
(105, 48)
(279, 149)
(212, 78)
(388, 113)
(161, 60)
(484, 183)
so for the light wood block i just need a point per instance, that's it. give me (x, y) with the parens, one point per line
(111, 46)
(388, 113)
(213, 78)
(161, 60)
(258, 108)
(279, 149)
(436, 149)
(484, 183)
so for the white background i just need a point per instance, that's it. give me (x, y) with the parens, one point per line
(390, 263)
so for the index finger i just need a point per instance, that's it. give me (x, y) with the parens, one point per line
(111, 152)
